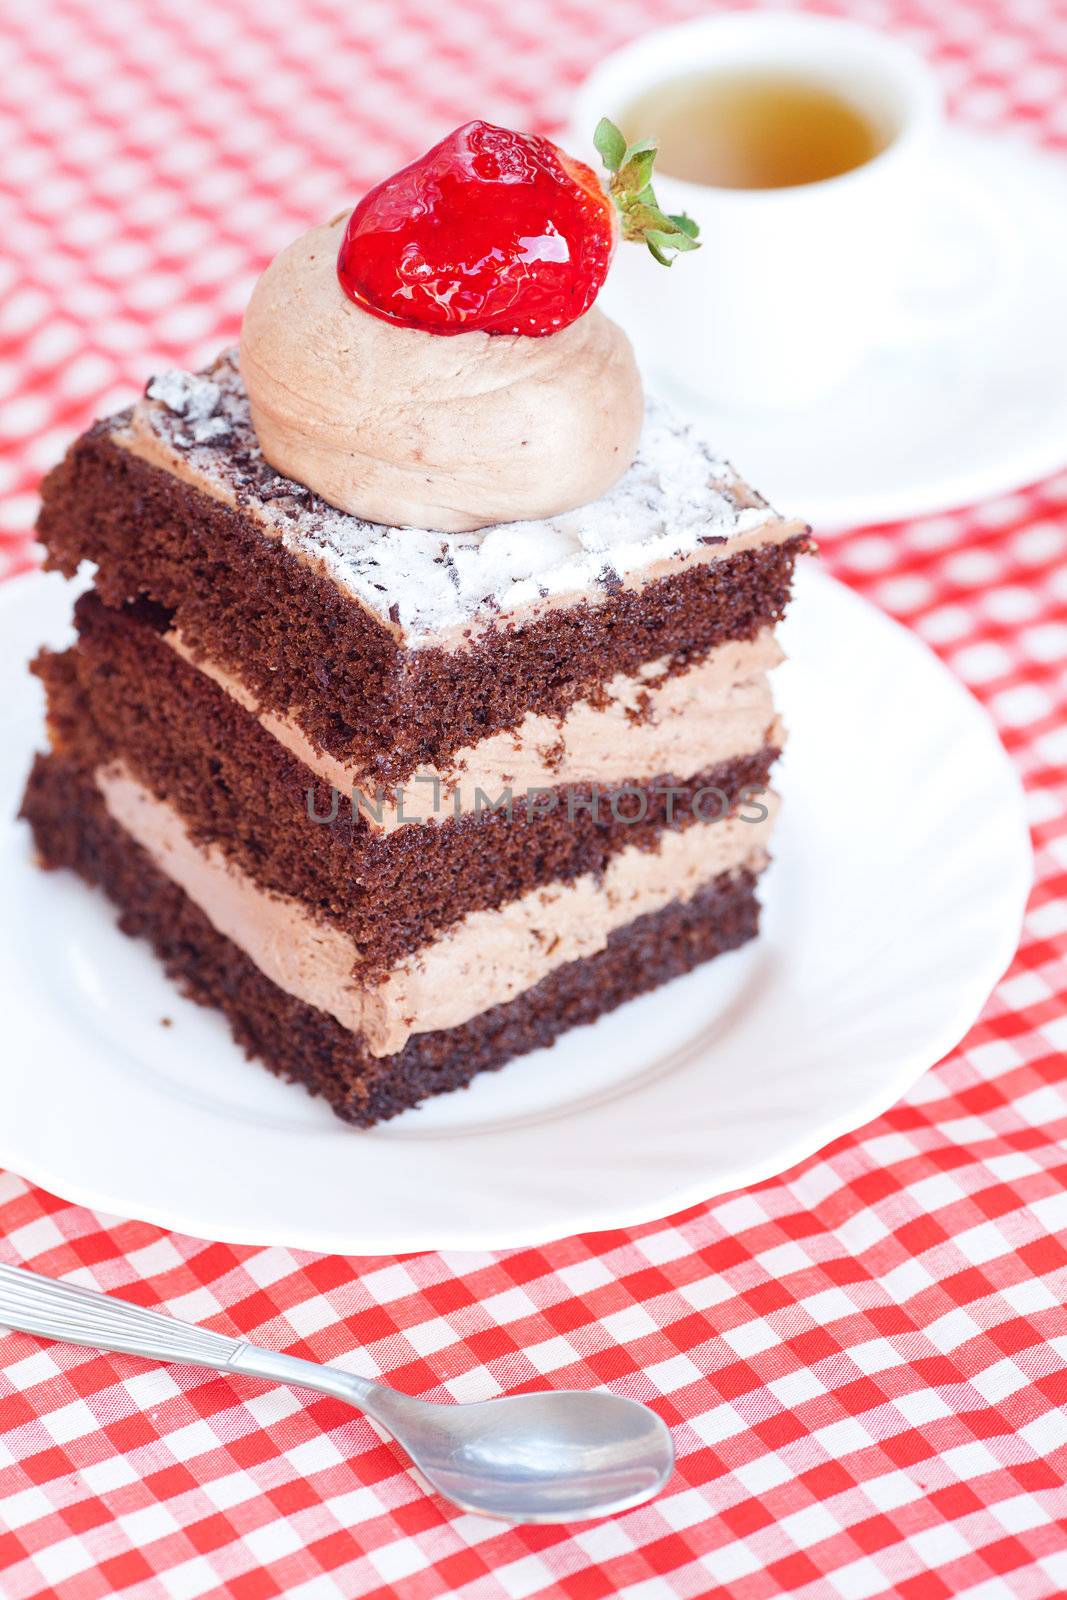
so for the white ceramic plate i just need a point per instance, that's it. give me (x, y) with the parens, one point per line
(894, 905)
(931, 423)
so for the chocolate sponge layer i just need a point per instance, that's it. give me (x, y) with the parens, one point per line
(122, 693)
(72, 829)
(304, 647)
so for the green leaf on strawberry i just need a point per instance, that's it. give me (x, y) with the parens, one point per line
(630, 187)
(610, 144)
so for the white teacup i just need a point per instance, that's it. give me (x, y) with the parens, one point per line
(792, 285)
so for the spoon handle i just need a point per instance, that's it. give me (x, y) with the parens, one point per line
(31, 1303)
(52, 1310)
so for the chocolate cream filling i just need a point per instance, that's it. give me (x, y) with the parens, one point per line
(642, 725)
(486, 959)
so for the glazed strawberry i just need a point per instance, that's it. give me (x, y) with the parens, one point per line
(501, 232)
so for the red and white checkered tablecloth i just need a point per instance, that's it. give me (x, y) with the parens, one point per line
(864, 1360)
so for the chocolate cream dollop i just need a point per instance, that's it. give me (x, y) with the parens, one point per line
(424, 430)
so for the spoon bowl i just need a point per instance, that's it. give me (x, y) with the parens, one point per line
(563, 1456)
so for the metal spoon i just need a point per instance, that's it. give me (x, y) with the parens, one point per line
(560, 1456)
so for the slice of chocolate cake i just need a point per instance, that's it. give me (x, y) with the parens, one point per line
(405, 802)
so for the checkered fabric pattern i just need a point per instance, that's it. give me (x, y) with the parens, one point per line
(864, 1360)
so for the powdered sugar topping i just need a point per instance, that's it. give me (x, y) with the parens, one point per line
(676, 497)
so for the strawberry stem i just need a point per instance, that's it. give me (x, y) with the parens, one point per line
(630, 187)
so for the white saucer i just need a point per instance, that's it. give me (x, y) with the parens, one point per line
(942, 422)
(894, 905)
